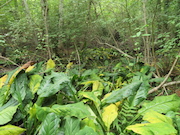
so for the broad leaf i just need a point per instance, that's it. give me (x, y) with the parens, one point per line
(50, 64)
(11, 130)
(125, 92)
(86, 131)
(35, 81)
(109, 115)
(140, 95)
(91, 96)
(11, 102)
(155, 117)
(52, 84)
(19, 87)
(162, 104)
(6, 115)
(4, 93)
(50, 125)
(72, 125)
(153, 129)
(78, 110)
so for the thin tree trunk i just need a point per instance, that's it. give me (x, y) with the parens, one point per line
(45, 9)
(146, 38)
(61, 8)
(30, 21)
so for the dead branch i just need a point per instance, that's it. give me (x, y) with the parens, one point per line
(167, 76)
(8, 60)
(119, 50)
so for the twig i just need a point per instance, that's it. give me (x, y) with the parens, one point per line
(171, 83)
(119, 50)
(9, 60)
(167, 76)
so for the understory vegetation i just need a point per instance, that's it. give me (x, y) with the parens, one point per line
(36, 100)
(89, 67)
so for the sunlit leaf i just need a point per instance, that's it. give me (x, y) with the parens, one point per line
(35, 81)
(161, 104)
(11, 130)
(7, 114)
(109, 115)
(3, 80)
(30, 68)
(155, 117)
(153, 129)
(50, 64)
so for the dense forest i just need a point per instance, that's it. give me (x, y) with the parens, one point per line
(100, 67)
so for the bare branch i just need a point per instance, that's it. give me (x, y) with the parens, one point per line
(119, 50)
(9, 60)
(167, 76)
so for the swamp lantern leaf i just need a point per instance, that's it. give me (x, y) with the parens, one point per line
(161, 104)
(3, 80)
(6, 114)
(35, 81)
(153, 129)
(50, 64)
(11, 130)
(109, 115)
(50, 125)
(155, 117)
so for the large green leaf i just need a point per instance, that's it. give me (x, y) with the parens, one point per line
(125, 92)
(4, 92)
(11, 102)
(19, 87)
(78, 110)
(50, 125)
(6, 115)
(86, 131)
(140, 95)
(52, 84)
(72, 125)
(162, 104)
(11, 130)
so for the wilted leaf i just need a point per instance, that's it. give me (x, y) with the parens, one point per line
(11, 130)
(109, 115)
(3, 80)
(30, 68)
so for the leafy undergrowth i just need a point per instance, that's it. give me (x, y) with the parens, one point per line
(36, 100)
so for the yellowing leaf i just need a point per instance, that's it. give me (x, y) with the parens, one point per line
(155, 117)
(69, 65)
(109, 115)
(35, 81)
(29, 69)
(50, 64)
(11, 130)
(3, 80)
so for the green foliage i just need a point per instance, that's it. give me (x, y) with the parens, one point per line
(86, 102)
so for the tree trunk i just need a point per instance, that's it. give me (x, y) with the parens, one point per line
(45, 10)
